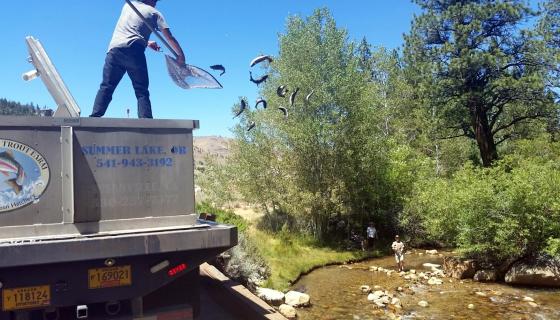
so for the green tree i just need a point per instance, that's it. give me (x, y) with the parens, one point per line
(8, 107)
(328, 157)
(478, 69)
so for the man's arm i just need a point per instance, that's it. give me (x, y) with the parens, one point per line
(175, 44)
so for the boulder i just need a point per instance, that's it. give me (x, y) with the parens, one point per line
(378, 294)
(297, 299)
(288, 311)
(272, 297)
(528, 299)
(385, 299)
(459, 268)
(423, 304)
(431, 265)
(531, 274)
(486, 276)
(532, 304)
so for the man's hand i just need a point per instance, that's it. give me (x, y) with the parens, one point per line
(181, 61)
(154, 46)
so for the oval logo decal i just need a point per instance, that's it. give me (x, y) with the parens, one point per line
(24, 175)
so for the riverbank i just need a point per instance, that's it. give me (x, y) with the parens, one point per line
(290, 257)
(287, 256)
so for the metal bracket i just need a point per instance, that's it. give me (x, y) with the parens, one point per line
(67, 144)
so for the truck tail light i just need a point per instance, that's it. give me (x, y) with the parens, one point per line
(176, 270)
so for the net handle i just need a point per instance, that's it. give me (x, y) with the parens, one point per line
(153, 29)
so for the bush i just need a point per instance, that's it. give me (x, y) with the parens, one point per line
(223, 216)
(553, 247)
(507, 211)
(245, 264)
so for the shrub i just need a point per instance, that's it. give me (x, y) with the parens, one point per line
(223, 216)
(507, 211)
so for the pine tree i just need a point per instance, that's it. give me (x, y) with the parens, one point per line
(479, 69)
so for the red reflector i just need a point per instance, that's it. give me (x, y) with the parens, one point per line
(176, 270)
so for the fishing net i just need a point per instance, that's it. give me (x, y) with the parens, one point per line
(190, 77)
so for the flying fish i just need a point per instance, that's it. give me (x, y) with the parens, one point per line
(261, 101)
(219, 67)
(259, 80)
(293, 97)
(282, 91)
(243, 107)
(260, 59)
(284, 111)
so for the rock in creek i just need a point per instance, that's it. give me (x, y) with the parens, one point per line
(431, 265)
(528, 299)
(435, 281)
(297, 299)
(288, 311)
(486, 276)
(423, 304)
(272, 297)
(544, 274)
(365, 289)
(471, 306)
(432, 252)
(458, 268)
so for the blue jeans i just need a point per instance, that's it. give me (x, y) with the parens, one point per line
(119, 61)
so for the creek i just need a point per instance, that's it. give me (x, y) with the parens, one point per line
(335, 294)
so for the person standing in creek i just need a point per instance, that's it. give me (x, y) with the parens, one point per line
(398, 249)
(371, 234)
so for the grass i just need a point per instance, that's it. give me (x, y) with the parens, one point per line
(290, 256)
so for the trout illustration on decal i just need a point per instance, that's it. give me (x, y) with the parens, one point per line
(26, 174)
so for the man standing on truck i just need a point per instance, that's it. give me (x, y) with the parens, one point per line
(126, 55)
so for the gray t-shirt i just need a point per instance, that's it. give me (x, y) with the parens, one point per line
(131, 28)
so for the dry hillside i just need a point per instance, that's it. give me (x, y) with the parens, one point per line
(214, 146)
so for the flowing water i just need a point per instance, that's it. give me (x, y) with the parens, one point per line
(335, 294)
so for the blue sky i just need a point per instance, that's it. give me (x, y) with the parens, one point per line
(76, 33)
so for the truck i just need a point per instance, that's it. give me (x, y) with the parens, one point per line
(97, 216)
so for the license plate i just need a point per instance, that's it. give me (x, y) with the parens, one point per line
(109, 277)
(26, 298)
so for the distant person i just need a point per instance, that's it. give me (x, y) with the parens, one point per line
(126, 55)
(398, 249)
(371, 235)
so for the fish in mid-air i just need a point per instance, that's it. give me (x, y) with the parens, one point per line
(9, 165)
(219, 67)
(284, 111)
(243, 107)
(309, 95)
(261, 101)
(259, 80)
(260, 59)
(251, 126)
(282, 91)
(293, 97)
